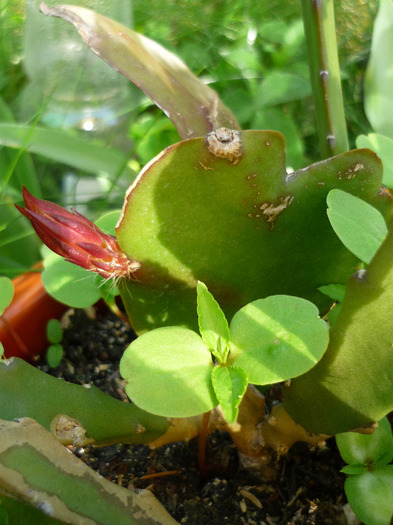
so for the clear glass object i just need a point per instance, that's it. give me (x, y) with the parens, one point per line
(69, 84)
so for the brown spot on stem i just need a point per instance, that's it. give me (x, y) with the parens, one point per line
(271, 210)
(351, 171)
(226, 144)
(69, 431)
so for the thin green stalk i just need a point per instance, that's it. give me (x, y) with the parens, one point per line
(319, 26)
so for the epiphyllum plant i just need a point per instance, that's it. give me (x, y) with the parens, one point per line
(219, 208)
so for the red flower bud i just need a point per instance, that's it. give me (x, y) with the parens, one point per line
(77, 239)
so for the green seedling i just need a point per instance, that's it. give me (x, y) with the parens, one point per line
(54, 333)
(268, 341)
(369, 484)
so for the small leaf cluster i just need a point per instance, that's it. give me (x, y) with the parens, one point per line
(54, 352)
(369, 484)
(175, 372)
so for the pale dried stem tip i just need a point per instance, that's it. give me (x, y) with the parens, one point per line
(226, 144)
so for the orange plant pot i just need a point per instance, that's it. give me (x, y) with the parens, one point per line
(23, 323)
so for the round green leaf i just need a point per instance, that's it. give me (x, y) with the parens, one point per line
(168, 373)
(370, 495)
(54, 331)
(367, 448)
(6, 293)
(54, 355)
(360, 226)
(68, 283)
(277, 338)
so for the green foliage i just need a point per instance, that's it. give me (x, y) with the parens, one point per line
(168, 373)
(334, 291)
(369, 483)
(360, 227)
(67, 283)
(383, 147)
(6, 293)
(378, 85)
(54, 353)
(16, 511)
(54, 331)
(264, 234)
(152, 133)
(66, 148)
(229, 383)
(213, 325)
(277, 338)
(170, 370)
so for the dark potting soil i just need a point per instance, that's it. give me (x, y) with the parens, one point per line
(308, 489)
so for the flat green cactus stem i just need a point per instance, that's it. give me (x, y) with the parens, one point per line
(223, 210)
(352, 385)
(38, 470)
(75, 414)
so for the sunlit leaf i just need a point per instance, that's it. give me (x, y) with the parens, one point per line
(383, 147)
(213, 325)
(277, 338)
(370, 495)
(375, 448)
(360, 226)
(68, 283)
(229, 384)
(168, 373)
